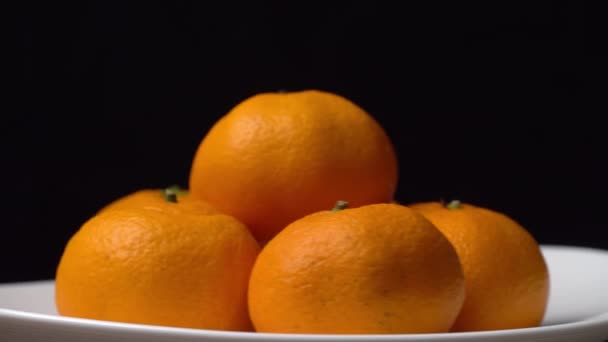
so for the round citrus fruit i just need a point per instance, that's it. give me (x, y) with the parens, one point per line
(276, 157)
(172, 199)
(152, 267)
(375, 269)
(506, 278)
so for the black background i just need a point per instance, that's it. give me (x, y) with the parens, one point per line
(495, 103)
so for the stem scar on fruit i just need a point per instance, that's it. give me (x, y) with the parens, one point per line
(340, 205)
(453, 205)
(170, 193)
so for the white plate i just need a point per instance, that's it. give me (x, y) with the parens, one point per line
(578, 311)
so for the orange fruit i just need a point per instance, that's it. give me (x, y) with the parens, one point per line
(153, 267)
(172, 199)
(276, 157)
(506, 278)
(376, 269)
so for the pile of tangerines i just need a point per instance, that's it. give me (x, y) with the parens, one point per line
(289, 225)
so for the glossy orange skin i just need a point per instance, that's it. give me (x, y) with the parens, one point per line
(376, 269)
(153, 199)
(506, 277)
(276, 157)
(152, 267)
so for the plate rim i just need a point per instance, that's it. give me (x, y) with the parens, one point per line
(563, 329)
(592, 323)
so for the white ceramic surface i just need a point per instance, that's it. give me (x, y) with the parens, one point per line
(578, 311)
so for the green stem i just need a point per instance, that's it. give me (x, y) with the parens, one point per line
(340, 205)
(453, 205)
(170, 193)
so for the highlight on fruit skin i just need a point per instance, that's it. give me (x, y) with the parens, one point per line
(374, 269)
(172, 198)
